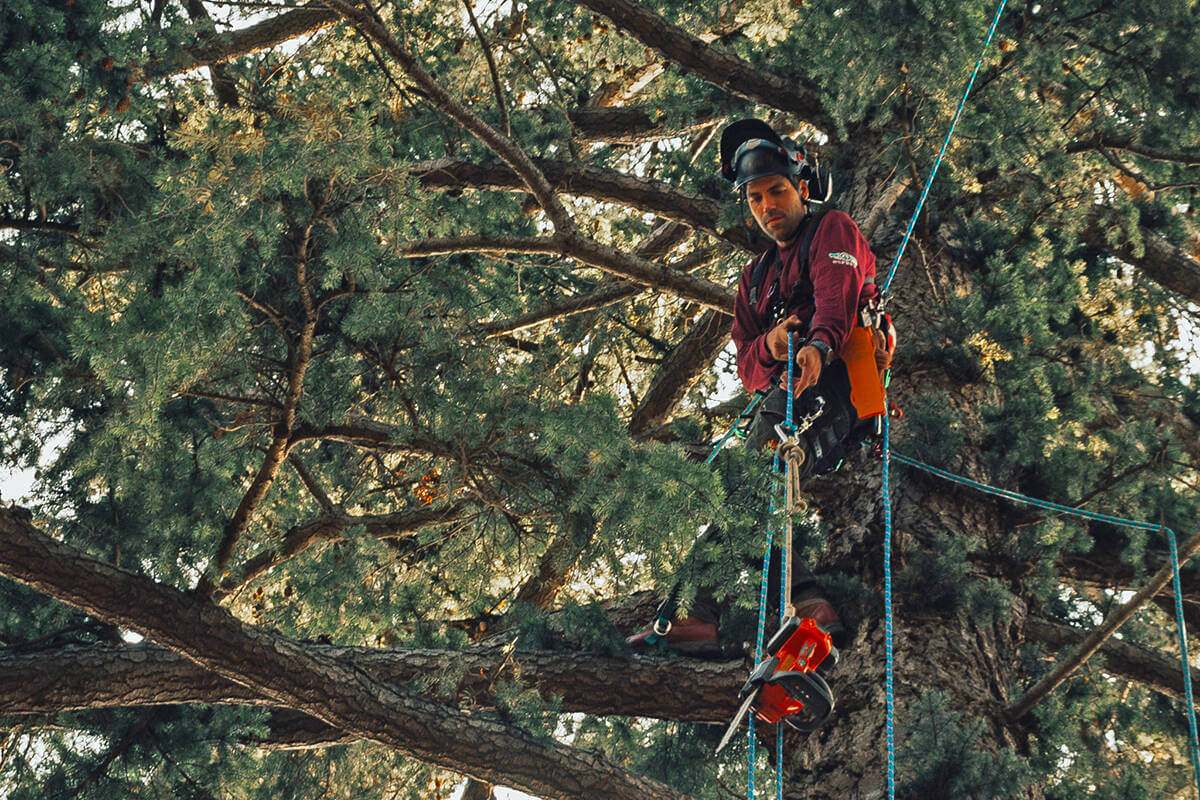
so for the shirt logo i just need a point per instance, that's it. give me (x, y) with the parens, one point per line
(845, 259)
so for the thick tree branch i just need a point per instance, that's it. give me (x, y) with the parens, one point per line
(107, 676)
(244, 41)
(507, 150)
(299, 358)
(693, 355)
(1127, 143)
(307, 680)
(1102, 572)
(1169, 266)
(795, 94)
(224, 86)
(557, 562)
(630, 125)
(592, 254)
(1100, 634)
(331, 527)
(1152, 669)
(657, 197)
(607, 293)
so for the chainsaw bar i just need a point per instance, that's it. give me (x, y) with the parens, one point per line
(737, 722)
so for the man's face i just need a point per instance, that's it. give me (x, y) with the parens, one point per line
(776, 206)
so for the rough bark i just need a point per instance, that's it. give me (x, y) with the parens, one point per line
(693, 355)
(795, 93)
(1157, 671)
(302, 679)
(657, 197)
(105, 676)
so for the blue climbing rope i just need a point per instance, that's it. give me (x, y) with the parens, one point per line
(1031, 501)
(764, 584)
(889, 665)
(754, 401)
(1183, 654)
(941, 154)
(889, 658)
(1095, 516)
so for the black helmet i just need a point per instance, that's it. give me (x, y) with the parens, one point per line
(751, 149)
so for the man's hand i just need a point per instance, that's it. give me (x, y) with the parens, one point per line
(777, 337)
(808, 362)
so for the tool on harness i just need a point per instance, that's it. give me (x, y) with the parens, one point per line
(786, 686)
(792, 451)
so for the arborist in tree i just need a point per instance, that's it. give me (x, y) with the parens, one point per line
(816, 281)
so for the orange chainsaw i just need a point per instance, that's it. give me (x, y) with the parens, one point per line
(786, 686)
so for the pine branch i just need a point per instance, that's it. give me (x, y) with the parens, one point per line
(656, 197)
(692, 357)
(501, 105)
(244, 41)
(311, 483)
(305, 679)
(1100, 635)
(224, 86)
(505, 148)
(1169, 266)
(607, 293)
(630, 125)
(557, 561)
(590, 253)
(125, 676)
(373, 435)
(331, 526)
(1106, 142)
(300, 355)
(795, 94)
(1152, 669)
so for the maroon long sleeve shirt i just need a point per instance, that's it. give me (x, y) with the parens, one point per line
(839, 281)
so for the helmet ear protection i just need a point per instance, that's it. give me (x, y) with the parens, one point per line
(750, 149)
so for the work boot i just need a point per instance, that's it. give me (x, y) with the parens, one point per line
(690, 636)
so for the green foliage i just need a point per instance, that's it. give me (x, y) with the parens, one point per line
(940, 577)
(941, 756)
(165, 255)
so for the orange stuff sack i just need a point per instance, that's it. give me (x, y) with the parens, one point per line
(866, 388)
